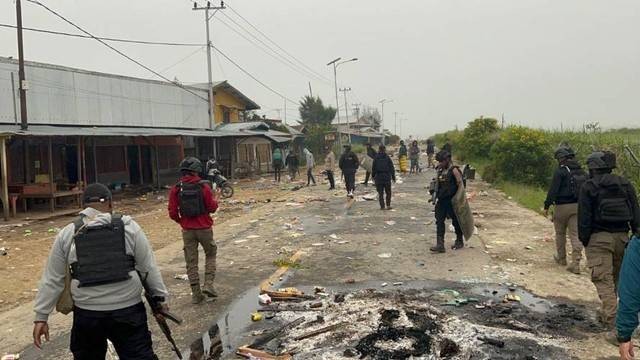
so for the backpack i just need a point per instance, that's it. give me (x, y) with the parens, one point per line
(277, 155)
(191, 199)
(577, 178)
(613, 205)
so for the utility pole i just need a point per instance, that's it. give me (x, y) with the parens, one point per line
(395, 130)
(21, 77)
(310, 91)
(210, 83)
(382, 102)
(285, 111)
(335, 64)
(346, 111)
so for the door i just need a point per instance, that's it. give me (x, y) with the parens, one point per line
(147, 164)
(133, 162)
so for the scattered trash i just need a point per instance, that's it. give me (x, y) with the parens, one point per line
(528, 247)
(253, 236)
(384, 284)
(384, 255)
(183, 277)
(414, 218)
(350, 281)
(399, 283)
(254, 354)
(256, 316)
(264, 299)
(318, 289)
(339, 298)
(28, 232)
(240, 241)
(334, 236)
(512, 297)
(511, 260)
(369, 197)
(483, 193)
(53, 230)
(10, 357)
(390, 222)
(317, 244)
(491, 341)
(3, 251)
(342, 242)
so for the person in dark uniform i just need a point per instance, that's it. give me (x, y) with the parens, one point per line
(607, 213)
(107, 296)
(372, 154)
(292, 163)
(431, 149)
(449, 179)
(349, 164)
(383, 172)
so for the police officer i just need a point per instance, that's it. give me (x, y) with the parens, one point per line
(563, 193)
(449, 179)
(349, 163)
(607, 212)
(106, 294)
(191, 202)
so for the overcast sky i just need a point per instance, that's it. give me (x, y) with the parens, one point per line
(443, 62)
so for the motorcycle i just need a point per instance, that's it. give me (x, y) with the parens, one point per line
(218, 181)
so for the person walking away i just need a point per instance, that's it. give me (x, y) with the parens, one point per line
(292, 163)
(310, 163)
(329, 167)
(607, 211)
(402, 157)
(447, 147)
(414, 156)
(349, 166)
(431, 149)
(449, 179)
(277, 163)
(372, 154)
(383, 173)
(107, 296)
(191, 202)
(563, 193)
(628, 298)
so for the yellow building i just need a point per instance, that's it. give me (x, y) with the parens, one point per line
(230, 103)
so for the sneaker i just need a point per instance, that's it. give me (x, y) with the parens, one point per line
(457, 245)
(437, 249)
(196, 295)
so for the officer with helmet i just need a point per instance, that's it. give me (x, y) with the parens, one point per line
(449, 179)
(607, 213)
(563, 193)
(191, 201)
(105, 296)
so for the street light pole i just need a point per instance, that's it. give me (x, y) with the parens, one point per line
(209, 71)
(21, 75)
(346, 111)
(382, 102)
(335, 64)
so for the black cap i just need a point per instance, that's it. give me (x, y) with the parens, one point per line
(96, 192)
(443, 155)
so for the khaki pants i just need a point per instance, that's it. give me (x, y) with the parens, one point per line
(191, 240)
(566, 217)
(604, 258)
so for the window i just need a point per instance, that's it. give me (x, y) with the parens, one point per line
(111, 159)
(226, 115)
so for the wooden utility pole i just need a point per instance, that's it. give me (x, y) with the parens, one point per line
(21, 76)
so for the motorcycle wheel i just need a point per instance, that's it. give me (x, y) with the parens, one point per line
(227, 191)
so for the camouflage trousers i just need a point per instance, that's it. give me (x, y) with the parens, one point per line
(604, 259)
(191, 239)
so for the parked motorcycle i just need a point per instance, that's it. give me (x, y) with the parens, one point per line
(218, 181)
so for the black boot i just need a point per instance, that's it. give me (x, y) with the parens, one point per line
(459, 244)
(439, 248)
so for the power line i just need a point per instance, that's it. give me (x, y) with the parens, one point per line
(53, 32)
(116, 50)
(276, 44)
(290, 63)
(251, 76)
(182, 60)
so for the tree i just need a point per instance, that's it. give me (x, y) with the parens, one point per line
(314, 113)
(372, 117)
(479, 136)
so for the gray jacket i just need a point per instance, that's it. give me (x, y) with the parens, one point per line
(102, 297)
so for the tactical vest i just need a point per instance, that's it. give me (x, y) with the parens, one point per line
(102, 254)
(191, 200)
(613, 205)
(447, 185)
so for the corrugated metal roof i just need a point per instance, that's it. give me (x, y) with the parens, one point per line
(250, 104)
(50, 130)
(244, 126)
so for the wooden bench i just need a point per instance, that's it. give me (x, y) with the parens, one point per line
(52, 198)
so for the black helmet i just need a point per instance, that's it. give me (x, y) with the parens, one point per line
(191, 164)
(96, 192)
(601, 160)
(443, 155)
(563, 152)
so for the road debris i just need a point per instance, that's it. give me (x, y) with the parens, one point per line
(384, 255)
(182, 277)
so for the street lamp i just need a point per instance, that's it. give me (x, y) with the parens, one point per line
(382, 102)
(336, 62)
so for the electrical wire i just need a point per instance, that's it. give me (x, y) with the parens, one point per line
(182, 60)
(143, 42)
(275, 43)
(116, 50)
(289, 63)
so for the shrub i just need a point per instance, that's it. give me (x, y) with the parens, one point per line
(478, 137)
(523, 155)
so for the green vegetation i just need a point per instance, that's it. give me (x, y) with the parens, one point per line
(317, 119)
(286, 262)
(519, 160)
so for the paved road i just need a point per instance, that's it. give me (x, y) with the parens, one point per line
(363, 233)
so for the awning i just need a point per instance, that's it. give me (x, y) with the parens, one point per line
(50, 130)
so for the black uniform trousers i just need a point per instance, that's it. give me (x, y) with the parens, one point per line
(332, 180)
(277, 171)
(444, 210)
(126, 328)
(350, 180)
(384, 188)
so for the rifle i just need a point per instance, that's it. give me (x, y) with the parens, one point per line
(156, 309)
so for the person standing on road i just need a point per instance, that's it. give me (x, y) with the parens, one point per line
(372, 154)
(414, 156)
(629, 298)
(449, 179)
(607, 211)
(107, 296)
(447, 147)
(431, 149)
(329, 167)
(292, 163)
(402, 157)
(383, 173)
(310, 163)
(191, 202)
(563, 193)
(349, 165)
(277, 163)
